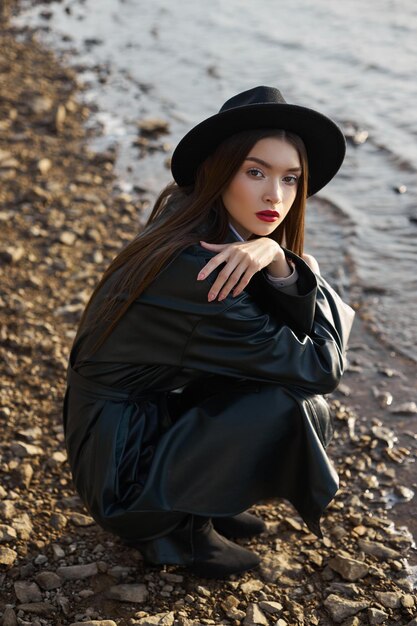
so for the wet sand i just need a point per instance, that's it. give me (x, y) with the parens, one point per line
(62, 218)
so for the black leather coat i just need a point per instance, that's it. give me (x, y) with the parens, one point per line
(205, 407)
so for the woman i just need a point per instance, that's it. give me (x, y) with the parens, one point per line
(195, 377)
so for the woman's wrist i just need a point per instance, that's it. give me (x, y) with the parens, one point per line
(279, 267)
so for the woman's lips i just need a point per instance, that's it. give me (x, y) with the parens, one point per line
(267, 216)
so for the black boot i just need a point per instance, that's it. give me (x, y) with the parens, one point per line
(239, 526)
(200, 548)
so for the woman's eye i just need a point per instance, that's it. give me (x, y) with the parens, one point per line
(291, 180)
(255, 172)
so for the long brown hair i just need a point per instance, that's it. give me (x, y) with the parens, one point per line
(182, 217)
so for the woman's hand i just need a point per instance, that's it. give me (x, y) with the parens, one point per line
(242, 260)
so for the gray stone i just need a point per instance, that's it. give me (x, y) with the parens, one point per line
(254, 616)
(27, 592)
(128, 593)
(9, 617)
(48, 580)
(378, 550)
(413, 622)
(389, 599)
(341, 608)
(172, 578)
(77, 572)
(38, 608)
(376, 616)
(7, 533)
(349, 569)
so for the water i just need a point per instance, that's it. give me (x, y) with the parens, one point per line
(353, 60)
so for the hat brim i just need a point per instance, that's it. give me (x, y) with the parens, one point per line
(324, 141)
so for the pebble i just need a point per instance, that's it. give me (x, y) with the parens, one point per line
(38, 608)
(11, 254)
(376, 616)
(95, 622)
(67, 238)
(78, 519)
(23, 449)
(58, 521)
(23, 526)
(128, 593)
(406, 408)
(349, 569)
(254, 616)
(76, 572)
(153, 126)
(9, 617)
(44, 165)
(7, 533)
(160, 619)
(388, 599)
(270, 607)
(251, 586)
(27, 591)
(48, 580)
(340, 608)
(379, 550)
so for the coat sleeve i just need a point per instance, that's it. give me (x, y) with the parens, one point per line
(243, 340)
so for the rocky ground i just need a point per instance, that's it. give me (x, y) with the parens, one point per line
(62, 219)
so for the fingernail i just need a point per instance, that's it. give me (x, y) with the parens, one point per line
(211, 296)
(221, 298)
(201, 276)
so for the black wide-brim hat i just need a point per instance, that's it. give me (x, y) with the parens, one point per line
(263, 107)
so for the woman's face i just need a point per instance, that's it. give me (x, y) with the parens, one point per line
(264, 188)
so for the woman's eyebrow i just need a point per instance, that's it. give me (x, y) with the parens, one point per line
(268, 165)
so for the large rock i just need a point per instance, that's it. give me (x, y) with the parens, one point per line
(27, 592)
(341, 608)
(128, 593)
(349, 569)
(77, 572)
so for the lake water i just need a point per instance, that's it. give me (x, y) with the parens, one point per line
(355, 60)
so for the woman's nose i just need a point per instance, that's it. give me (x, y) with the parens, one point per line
(273, 194)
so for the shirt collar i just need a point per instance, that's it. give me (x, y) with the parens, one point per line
(234, 231)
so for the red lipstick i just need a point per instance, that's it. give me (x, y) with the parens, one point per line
(267, 216)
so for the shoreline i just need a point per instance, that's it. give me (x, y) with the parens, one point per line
(62, 220)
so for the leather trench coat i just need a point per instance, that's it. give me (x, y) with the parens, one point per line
(197, 407)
